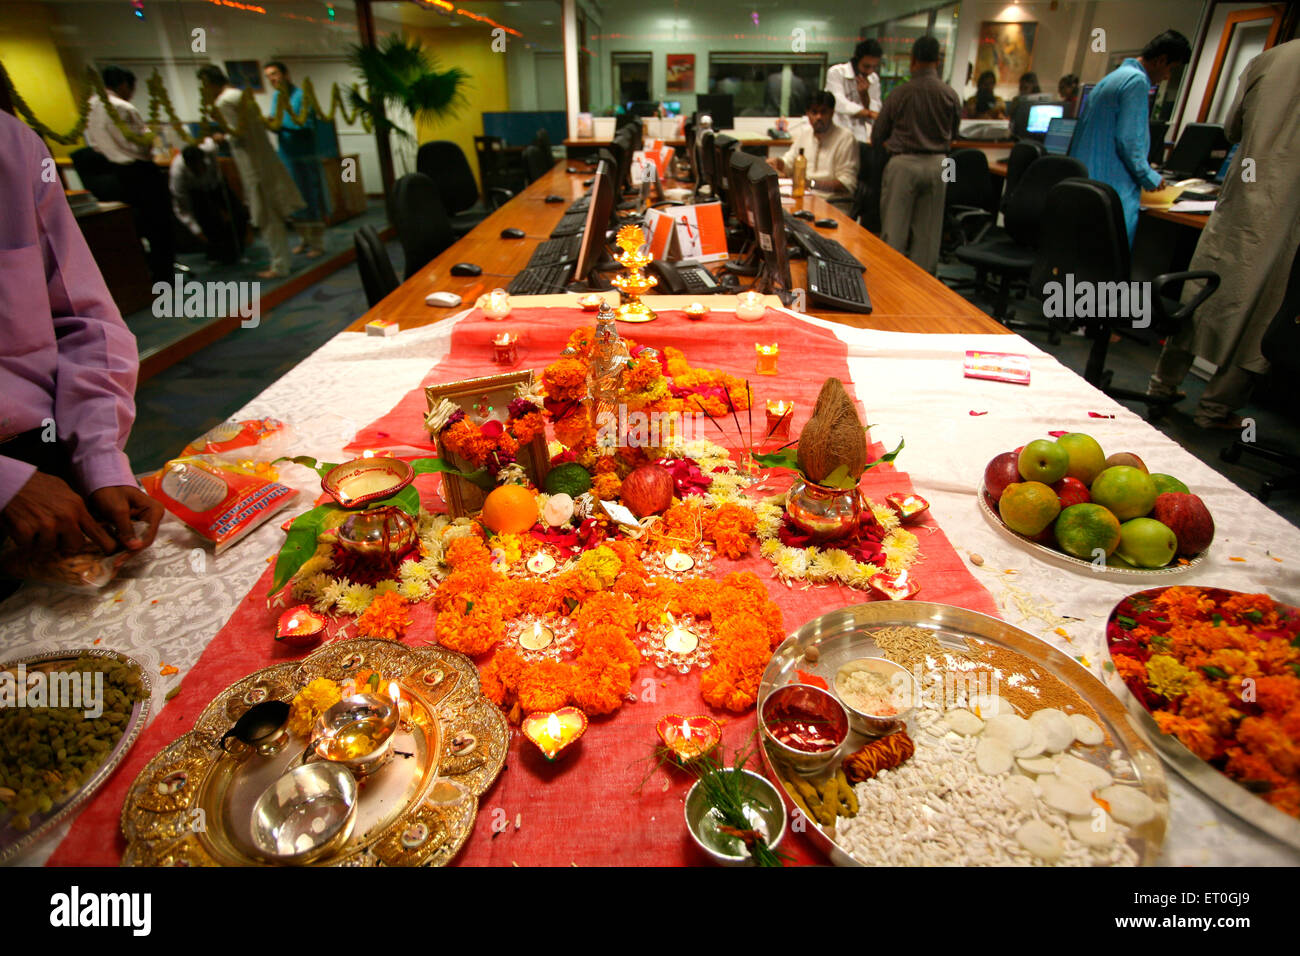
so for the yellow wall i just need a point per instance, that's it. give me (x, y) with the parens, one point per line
(31, 58)
(469, 48)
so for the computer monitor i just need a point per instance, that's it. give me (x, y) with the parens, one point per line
(1199, 152)
(626, 141)
(740, 192)
(721, 106)
(1156, 133)
(704, 157)
(1059, 133)
(769, 226)
(599, 211)
(1040, 115)
(1222, 174)
(723, 148)
(1084, 92)
(672, 107)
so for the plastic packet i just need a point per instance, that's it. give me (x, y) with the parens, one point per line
(254, 439)
(220, 501)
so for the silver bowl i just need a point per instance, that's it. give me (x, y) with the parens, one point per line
(357, 732)
(305, 814)
(820, 707)
(876, 725)
(764, 808)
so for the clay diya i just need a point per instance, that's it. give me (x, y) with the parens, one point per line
(689, 738)
(357, 483)
(909, 507)
(299, 626)
(894, 587)
(553, 732)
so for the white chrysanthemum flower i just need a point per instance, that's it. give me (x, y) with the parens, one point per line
(886, 515)
(356, 598)
(332, 593)
(414, 571)
(415, 590)
(792, 562)
(385, 587)
(901, 548)
(770, 548)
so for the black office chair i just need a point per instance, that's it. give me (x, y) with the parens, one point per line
(1022, 156)
(866, 198)
(423, 227)
(968, 208)
(1281, 346)
(444, 163)
(96, 173)
(543, 140)
(377, 275)
(536, 162)
(1010, 255)
(1083, 235)
(494, 167)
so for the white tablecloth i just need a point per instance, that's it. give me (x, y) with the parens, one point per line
(169, 603)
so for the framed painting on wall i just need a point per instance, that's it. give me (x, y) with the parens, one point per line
(244, 75)
(680, 76)
(1007, 49)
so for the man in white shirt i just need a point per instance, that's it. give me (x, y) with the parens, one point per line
(856, 88)
(143, 184)
(203, 204)
(831, 151)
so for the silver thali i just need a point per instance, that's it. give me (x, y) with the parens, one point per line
(845, 634)
(13, 841)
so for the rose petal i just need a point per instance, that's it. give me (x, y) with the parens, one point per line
(975, 414)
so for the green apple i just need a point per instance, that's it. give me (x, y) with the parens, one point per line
(1125, 490)
(1087, 460)
(1043, 460)
(1165, 483)
(1146, 543)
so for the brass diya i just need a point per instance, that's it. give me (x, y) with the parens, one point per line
(634, 283)
(827, 514)
(357, 733)
(383, 532)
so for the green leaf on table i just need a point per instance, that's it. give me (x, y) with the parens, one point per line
(479, 478)
(300, 543)
(1217, 673)
(781, 458)
(840, 479)
(321, 468)
(888, 456)
(408, 500)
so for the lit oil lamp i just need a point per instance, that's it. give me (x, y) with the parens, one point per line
(894, 587)
(679, 562)
(750, 306)
(536, 637)
(779, 416)
(394, 693)
(680, 640)
(696, 310)
(540, 563)
(689, 738)
(495, 304)
(505, 348)
(767, 356)
(909, 507)
(299, 626)
(553, 732)
(591, 302)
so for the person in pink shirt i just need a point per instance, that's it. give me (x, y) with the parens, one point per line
(67, 372)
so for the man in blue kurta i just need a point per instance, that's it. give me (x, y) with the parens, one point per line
(298, 150)
(1113, 136)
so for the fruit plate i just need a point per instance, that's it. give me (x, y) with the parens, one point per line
(1078, 564)
(847, 634)
(1204, 776)
(192, 804)
(13, 841)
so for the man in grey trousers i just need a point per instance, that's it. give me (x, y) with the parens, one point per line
(917, 125)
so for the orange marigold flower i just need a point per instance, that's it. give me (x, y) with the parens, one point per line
(565, 380)
(1193, 733)
(387, 617)
(607, 486)
(545, 685)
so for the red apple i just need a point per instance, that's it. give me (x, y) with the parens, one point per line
(648, 490)
(1188, 518)
(1071, 491)
(1125, 458)
(1000, 472)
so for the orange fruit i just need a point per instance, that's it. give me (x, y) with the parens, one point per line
(510, 509)
(1027, 507)
(1083, 528)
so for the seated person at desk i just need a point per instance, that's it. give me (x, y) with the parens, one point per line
(1114, 134)
(1068, 90)
(67, 370)
(985, 104)
(1028, 87)
(831, 151)
(142, 183)
(204, 205)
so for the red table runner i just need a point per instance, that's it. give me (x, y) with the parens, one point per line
(586, 808)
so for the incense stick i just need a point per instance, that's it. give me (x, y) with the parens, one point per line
(726, 392)
(706, 415)
(749, 395)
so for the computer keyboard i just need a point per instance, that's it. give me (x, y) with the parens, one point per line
(541, 280)
(815, 244)
(554, 251)
(570, 224)
(837, 286)
(579, 205)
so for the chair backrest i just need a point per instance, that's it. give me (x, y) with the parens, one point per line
(1281, 345)
(1022, 154)
(97, 174)
(444, 163)
(1083, 235)
(377, 276)
(379, 249)
(543, 140)
(536, 162)
(421, 220)
(490, 151)
(971, 185)
(1024, 211)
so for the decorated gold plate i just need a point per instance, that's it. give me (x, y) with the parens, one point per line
(192, 805)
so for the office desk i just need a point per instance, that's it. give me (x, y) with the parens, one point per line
(905, 298)
(589, 143)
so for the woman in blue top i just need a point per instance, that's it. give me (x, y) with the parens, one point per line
(298, 150)
(1113, 136)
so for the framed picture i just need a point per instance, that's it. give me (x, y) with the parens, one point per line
(680, 76)
(1007, 49)
(245, 75)
(482, 400)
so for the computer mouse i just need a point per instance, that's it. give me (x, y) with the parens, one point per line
(802, 214)
(511, 233)
(467, 269)
(554, 198)
(827, 224)
(571, 169)
(588, 182)
(443, 300)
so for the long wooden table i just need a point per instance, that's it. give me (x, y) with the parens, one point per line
(904, 297)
